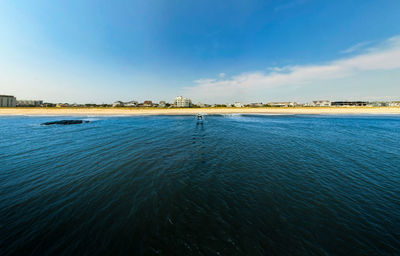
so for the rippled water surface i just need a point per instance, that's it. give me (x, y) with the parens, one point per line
(235, 185)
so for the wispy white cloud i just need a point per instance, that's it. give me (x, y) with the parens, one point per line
(384, 56)
(356, 47)
(222, 75)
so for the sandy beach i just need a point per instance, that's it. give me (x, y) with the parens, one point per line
(193, 111)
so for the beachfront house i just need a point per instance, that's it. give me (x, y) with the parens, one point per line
(132, 103)
(282, 104)
(147, 103)
(118, 104)
(378, 104)
(62, 105)
(255, 105)
(321, 103)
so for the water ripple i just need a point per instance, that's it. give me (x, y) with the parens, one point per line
(234, 185)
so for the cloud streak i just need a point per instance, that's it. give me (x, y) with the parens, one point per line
(385, 56)
(356, 47)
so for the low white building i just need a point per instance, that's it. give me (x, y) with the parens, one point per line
(321, 103)
(118, 104)
(378, 104)
(132, 103)
(256, 105)
(8, 101)
(238, 105)
(394, 104)
(181, 102)
(282, 104)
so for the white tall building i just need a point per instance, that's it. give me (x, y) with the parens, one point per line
(8, 101)
(181, 102)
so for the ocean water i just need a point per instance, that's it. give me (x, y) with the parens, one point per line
(234, 185)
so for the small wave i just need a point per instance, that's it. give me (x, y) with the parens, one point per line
(268, 114)
(231, 115)
(92, 119)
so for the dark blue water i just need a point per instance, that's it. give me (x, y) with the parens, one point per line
(236, 185)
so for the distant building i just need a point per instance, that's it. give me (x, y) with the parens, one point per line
(118, 104)
(181, 102)
(349, 103)
(394, 104)
(49, 105)
(203, 105)
(321, 103)
(255, 105)
(62, 105)
(131, 103)
(147, 103)
(162, 104)
(378, 104)
(8, 101)
(282, 104)
(238, 105)
(29, 103)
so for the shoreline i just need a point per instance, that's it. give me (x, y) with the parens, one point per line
(193, 111)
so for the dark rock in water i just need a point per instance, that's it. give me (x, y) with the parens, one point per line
(66, 122)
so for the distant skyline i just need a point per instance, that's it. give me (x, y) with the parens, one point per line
(210, 51)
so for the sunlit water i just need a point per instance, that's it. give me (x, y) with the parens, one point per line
(234, 185)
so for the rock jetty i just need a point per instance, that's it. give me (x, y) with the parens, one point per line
(65, 122)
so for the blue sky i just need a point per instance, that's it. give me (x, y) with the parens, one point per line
(212, 51)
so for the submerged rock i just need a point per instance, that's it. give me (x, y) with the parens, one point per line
(66, 122)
